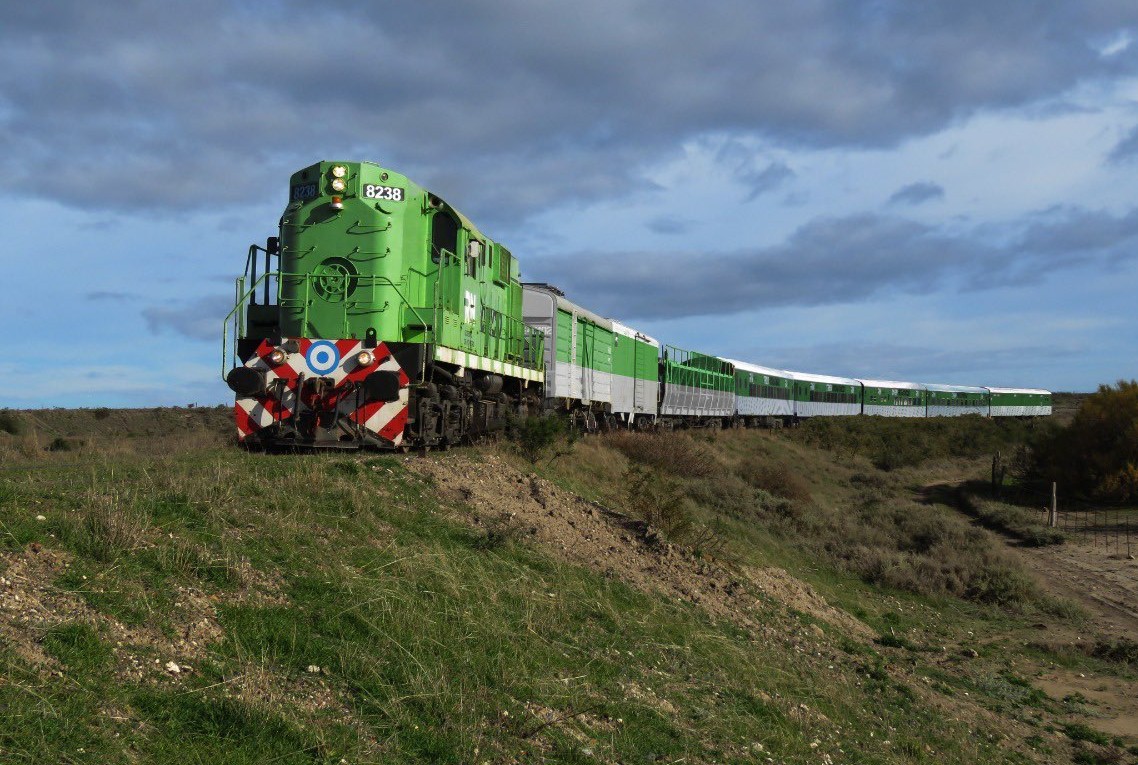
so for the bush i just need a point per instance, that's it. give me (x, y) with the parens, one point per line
(11, 423)
(1097, 454)
(660, 501)
(1000, 585)
(891, 443)
(1080, 732)
(775, 478)
(675, 453)
(1121, 651)
(539, 438)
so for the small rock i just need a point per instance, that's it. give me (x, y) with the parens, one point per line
(173, 668)
(41, 517)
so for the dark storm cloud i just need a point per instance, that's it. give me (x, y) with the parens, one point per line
(757, 176)
(917, 193)
(198, 319)
(668, 225)
(768, 179)
(111, 296)
(1125, 150)
(507, 107)
(841, 260)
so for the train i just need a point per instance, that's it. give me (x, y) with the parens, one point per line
(380, 316)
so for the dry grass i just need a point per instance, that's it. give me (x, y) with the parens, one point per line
(775, 478)
(108, 525)
(677, 454)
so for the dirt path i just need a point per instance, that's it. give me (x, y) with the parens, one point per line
(1105, 584)
(1103, 581)
(1100, 578)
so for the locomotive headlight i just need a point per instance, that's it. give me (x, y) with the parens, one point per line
(277, 357)
(339, 171)
(338, 184)
(364, 358)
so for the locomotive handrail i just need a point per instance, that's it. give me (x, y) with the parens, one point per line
(243, 295)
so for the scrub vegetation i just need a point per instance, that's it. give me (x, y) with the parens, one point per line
(1096, 455)
(729, 597)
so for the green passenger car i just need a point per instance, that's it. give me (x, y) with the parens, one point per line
(762, 392)
(955, 400)
(892, 398)
(825, 395)
(1020, 402)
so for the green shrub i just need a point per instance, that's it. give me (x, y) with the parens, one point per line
(895, 443)
(1121, 651)
(1097, 454)
(660, 501)
(65, 444)
(11, 423)
(1080, 732)
(541, 438)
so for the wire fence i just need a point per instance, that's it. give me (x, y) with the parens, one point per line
(1114, 530)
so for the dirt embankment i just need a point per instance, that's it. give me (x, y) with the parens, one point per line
(506, 501)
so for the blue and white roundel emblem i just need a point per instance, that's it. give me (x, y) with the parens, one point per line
(322, 357)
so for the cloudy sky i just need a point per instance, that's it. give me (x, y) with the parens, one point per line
(938, 191)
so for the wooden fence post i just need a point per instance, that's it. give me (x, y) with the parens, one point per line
(1053, 521)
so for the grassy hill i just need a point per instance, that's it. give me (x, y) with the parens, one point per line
(712, 598)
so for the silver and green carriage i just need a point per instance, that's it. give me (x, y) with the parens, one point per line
(892, 398)
(578, 349)
(1019, 402)
(825, 395)
(955, 400)
(594, 365)
(762, 392)
(698, 389)
(635, 376)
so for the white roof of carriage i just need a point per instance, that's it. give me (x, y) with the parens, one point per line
(757, 369)
(628, 331)
(808, 377)
(891, 384)
(954, 388)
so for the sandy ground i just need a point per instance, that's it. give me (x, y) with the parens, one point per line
(1105, 585)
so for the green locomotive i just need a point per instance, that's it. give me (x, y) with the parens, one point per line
(381, 317)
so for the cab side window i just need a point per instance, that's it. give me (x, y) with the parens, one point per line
(444, 235)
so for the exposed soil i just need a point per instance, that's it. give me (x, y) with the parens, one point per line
(31, 605)
(1103, 582)
(505, 501)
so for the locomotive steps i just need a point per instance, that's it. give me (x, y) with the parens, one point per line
(183, 601)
